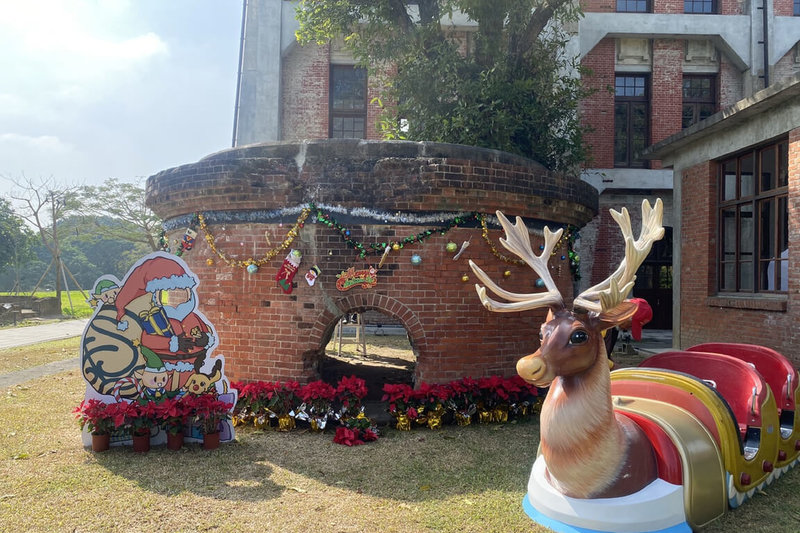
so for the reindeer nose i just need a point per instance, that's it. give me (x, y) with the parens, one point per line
(530, 368)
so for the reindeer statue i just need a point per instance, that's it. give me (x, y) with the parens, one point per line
(664, 447)
(589, 450)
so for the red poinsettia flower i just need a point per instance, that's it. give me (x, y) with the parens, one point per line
(346, 436)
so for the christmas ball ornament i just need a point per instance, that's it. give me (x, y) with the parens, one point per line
(252, 268)
(416, 259)
(210, 262)
(451, 247)
(506, 273)
(465, 278)
(297, 253)
(395, 247)
(539, 282)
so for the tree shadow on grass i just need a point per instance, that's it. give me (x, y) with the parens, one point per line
(237, 471)
(410, 466)
(418, 465)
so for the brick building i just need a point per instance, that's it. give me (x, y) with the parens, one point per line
(670, 64)
(737, 181)
(658, 66)
(414, 197)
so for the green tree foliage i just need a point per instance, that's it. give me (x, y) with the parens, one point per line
(507, 86)
(17, 241)
(123, 203)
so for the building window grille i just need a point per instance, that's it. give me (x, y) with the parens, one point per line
(635, 6)
(631, 119)
(699, 99)
(348, 102)
(754, 221)
(700, 7)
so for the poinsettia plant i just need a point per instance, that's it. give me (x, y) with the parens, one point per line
(350, 393)
(97, 416)
(208, 411)
(496, 390)
(317, 396)
(357, 430)
(463, 395)
(400, 397)
(139, 416)
(281, 398)
(174, 414)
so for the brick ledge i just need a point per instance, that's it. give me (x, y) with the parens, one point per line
(748, 302)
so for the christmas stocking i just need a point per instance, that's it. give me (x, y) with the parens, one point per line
(288, 270)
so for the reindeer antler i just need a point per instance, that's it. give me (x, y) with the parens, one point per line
(610, 292)
(518, 242)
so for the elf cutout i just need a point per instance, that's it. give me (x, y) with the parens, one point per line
(288, 270)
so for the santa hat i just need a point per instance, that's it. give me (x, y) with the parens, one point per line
(157, 273)
(643, 315)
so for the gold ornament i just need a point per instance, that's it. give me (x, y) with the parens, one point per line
(403, 423)
(465, 278)
(285, 423)
(395, 247)
(463, 420)
(506, 273)
(210, 262)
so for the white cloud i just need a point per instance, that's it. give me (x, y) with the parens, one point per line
(44, 144)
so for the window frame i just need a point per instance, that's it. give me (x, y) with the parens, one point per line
(334, 113)
(697, 102)
(629, 101)
(752, 202)
(648, 6)
(714, 7)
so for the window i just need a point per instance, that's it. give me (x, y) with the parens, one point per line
(348, 102)
(631, 118)
(700, 7)
(635, 6)
(796, 8)
(754, 221)
(699, 99)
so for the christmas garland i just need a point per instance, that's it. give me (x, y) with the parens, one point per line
(323, 215)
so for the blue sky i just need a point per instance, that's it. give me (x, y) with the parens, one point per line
(93, 89)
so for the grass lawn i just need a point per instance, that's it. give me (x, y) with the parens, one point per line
(38, 354)
(457, 479)
(82, 309)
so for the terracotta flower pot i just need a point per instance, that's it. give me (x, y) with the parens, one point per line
(141, 443)
(174, 442)
(211, 441)
(100, 441)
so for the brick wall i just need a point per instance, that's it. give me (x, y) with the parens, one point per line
(783, 8)
(667, 95)
(266, 334)
(597, 110)
(707, 317)
(730, 83)
(304, 93)
(305, 90)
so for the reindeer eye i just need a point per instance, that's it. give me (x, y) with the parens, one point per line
(578, 337)
(541, 337)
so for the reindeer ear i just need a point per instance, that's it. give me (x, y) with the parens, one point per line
(617, 315)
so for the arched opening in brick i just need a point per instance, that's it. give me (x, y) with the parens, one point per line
(394, 342)
(373, 346)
